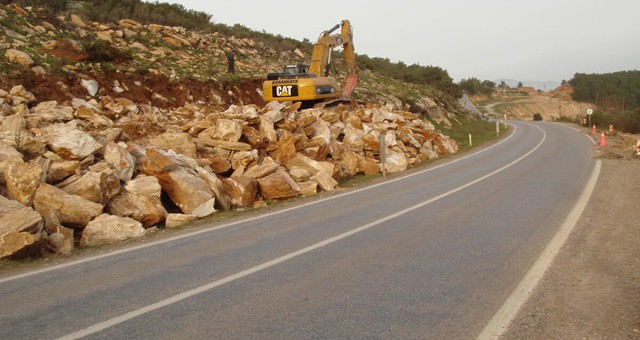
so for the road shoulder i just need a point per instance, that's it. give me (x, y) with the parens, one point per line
(591, 289)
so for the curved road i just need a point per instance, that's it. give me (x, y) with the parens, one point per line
(432, 254)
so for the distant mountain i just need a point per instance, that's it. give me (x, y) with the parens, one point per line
(546, 86)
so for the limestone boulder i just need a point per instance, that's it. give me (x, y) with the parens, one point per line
(216, 186)
(308, 188)
(278, 185)
(228, 130)
(61, 241)
(265, 168)
(106, 229)
(20, 226)
(186, 190)
(146, 209)
(395, 161)
(72, 144)
(285, 148)
(95, 186)
(22, 179)
(241, 190)
(268, 130)
(120, 159)
(8, 151)
(60, 170)
(253, 136)
(310, 165)
(180, 142)
(156, 161)
(50, 112)
(93, 117)
(325, 181)
(144, 185)
(20, 95)
(205, 209)
(177, 220)
(19, 57)
(349, 163)
(70, 210)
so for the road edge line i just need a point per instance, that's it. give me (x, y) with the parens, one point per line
(523, 291)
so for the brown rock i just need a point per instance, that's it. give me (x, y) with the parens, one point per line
(146, 209)
(216, 186)
(177, 220)
(119, 158)
(157, 161)
(106, 229)
(241, 191)
(186, 190)
(59, 170)
(368, 166)
(235, 146)
(286, 148)
(278, 185)
(22, 179)
(51, 112)
(20, 226)
(308, 188)
(19, 57)
(253, 136)
(181, 143)
(325, 181)
(268, 130)
(95, 186)
(73, 144)
(227, 130)
(243, 159)
(144, 185)
(267, 167)
(310, 165)
(70, 210)
(62, 241)
(218, 164)
(94, 118)
(349, 163)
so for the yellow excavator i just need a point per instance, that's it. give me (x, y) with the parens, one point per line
(313, 83)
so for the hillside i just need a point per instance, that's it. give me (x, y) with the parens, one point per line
(522, 103)
(109, 131)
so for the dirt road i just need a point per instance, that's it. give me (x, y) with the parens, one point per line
(592, 290)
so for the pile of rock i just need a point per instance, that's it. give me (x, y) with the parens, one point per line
(70, 173)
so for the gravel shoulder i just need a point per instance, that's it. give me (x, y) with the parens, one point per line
(592, 290)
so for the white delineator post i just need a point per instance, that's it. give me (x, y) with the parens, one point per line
(470, 140)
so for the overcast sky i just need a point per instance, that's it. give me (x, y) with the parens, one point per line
(536, 40)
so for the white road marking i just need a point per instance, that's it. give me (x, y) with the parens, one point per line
(505, 315)
(201, 289)
(223, 226)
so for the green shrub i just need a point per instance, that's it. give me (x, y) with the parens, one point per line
(537, 116)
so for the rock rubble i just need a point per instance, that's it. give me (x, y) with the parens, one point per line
(71, 175)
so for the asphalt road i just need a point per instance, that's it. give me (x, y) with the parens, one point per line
(430, 254)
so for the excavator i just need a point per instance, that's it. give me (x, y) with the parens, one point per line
(312, 83)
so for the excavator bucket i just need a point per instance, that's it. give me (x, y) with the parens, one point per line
(349, 85)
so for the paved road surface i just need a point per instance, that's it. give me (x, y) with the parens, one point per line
(430, 255)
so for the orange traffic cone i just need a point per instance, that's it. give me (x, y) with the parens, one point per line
(602, 141)
(594, 129)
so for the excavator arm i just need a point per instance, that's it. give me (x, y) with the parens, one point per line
(326, 42)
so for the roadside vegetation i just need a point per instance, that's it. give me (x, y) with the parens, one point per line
(616, 95)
